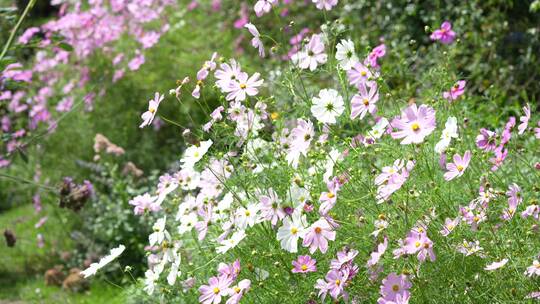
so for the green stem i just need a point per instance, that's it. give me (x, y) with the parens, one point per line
(16, 28)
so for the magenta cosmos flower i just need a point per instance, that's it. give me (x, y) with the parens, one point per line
(486, 140)
(444, 34)
(217, 287)
(457, 90)
(318, 235)
(364, 102)
(414, 124)
(304, 264)
(459, 165)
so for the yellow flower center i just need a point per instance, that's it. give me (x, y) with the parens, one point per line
(274, 115)
(318, 230)
(196, 154)
(366, 101)
(152, 110)
(395, 288)
(294, 230)
(248, 213)
(460, 168)
(330, 195)
(338, 281)
(216, 290)
(243, 86)
(303, 267)
(417, 244)
(415, 126)
(363, 73)
(237, 289)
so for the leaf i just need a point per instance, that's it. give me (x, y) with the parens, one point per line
(65, 46)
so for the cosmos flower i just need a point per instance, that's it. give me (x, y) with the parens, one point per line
(94, 267)
(364, 102)
(414, 124)
(153, 105)
(524, 119)
(456, 91)
(457, 168)
(264, 6)
(304, 264)
(325, 4)
(244, 87)
(312, 55)
(318, 235)
(445, 34)
(327, 106)
(360, 74)
(217, 287)
(345, 54)
(294, 228)
(256, 41)
(496, 265)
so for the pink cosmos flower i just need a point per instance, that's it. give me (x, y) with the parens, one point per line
(486, 140)
(418, 242)
(498, 159)
(143, 203)
(312, 55)
(135, 63)
(524, 119)
(227, 74)
(364, 102)
(537, 130)
(344, 257)
(377, 254)
(360, 74)
(153, 105)
(270, 207)
(457, 90)
(325, 4)
(237, 292)
(304, 264)
(449, 226)
(514, 199)
(444, 34)
(334, 284)
(244, 87)
(414, 124)
(318, 235)
(534, 269)
(394, 285)
(496, 265)
(457, 168)
(256, 41)
(230, 271)
(329, 198)
(263, 6)
(376, 53)
(28, 34)
(208, 66)
(533, 211)
(217, 287)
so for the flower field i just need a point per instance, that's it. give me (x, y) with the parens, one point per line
(270, 151)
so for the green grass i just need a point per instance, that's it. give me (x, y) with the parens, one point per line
(34, 290)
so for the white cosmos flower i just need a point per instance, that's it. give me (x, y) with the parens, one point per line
(195, 153)
(449, 132)
(293, 228)
(378, 129)
(94, 267)
(345, 54)
(160, 233)
(187, 222)
(150, 278)
(232, 242)
(327, 106)
(247, 216)
(331, 159)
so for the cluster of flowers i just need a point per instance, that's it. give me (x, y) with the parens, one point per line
(37, 94)
(217, 195)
